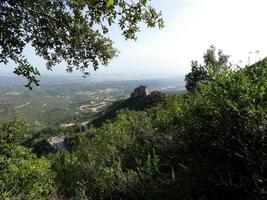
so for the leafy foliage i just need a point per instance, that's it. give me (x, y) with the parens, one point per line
(108, 167)
(225, 131)
(206, 146)
(14, 131)
(199, 73)
(22, 174)
(71, 31)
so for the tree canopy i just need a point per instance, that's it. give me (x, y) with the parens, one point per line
(199, 72)
(23, 175)
(74, 31)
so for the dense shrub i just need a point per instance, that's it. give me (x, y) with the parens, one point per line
(22, 174)
(224, 131)
(110, 160)
(206, 146)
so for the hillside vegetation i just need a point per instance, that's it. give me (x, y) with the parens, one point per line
(207, 144)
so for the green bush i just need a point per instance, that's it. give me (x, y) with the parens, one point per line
(22, 174)
(208, 145)
(221, 135)
(110, 161)
(14, 131)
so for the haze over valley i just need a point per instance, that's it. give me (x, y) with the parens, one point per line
(68, 99)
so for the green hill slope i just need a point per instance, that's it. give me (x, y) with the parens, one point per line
(132, 103)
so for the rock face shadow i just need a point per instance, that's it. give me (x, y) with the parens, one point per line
(141, 91)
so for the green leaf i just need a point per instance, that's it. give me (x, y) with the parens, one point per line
(109, 3)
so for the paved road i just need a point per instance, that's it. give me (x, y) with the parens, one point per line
(58, 141)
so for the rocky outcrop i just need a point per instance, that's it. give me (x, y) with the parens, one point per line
(141, 91)
(57, 143)
(84, 126)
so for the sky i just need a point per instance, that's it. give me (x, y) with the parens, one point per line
(238, 27)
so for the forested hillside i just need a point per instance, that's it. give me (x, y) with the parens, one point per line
(209, 143)
(69, 139)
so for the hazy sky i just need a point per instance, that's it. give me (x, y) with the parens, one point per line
(235, 26)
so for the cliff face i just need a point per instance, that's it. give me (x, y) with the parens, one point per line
(141, 91)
